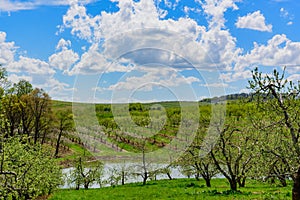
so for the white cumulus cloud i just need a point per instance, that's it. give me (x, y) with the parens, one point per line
(215, 10)
(7, 50)
(94, 62)
(63, 44)
(64, 59)
(136, 32)
(152, 77)
(14, 78)
(16, 5)
(30, 66)
(254, 21)
(279, 51)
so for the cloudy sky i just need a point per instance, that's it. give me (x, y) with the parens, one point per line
(144, 50)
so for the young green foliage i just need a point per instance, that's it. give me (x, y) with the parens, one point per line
(278, 99)
(26, 171)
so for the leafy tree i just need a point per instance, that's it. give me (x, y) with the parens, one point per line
(235, 153)
(125, 172)
(23, 90)
(270, 165)
(119, 173)
(26, 171)
(40, 105)
(84, 174)
(4, 83)
(192, 162)
(26, 113)
(279, 98)
(15, 108)
(23, 87)
(143, 168)
(64, 123)
(11, 112)
(114, 176)
(165, 170)
(203, 167)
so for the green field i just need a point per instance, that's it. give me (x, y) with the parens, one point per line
(178, 189)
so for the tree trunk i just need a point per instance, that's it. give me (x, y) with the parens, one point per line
(207, 181)
(169, 175)
(44, 137)
(272, 179)
(77, 186)
(35, 137)
(123, 178)
(242, 182)
(296, 185)
(282, 180)
(145, 178)
(57, 144)
(36, 131)
(233, 184)
(197, 176)
(11, 134)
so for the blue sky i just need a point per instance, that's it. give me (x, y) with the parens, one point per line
(144, 50)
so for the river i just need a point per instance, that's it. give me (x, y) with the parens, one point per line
(109, 167)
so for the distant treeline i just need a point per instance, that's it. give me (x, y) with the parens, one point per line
(227, 97)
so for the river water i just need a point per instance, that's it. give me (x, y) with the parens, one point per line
(132, 167)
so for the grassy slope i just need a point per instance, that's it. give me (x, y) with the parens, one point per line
(177, 189)
(77, 150)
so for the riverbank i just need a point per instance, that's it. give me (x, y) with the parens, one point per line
(178, 189)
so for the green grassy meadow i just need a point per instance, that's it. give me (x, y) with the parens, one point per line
(162, 189)
(178, 189)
